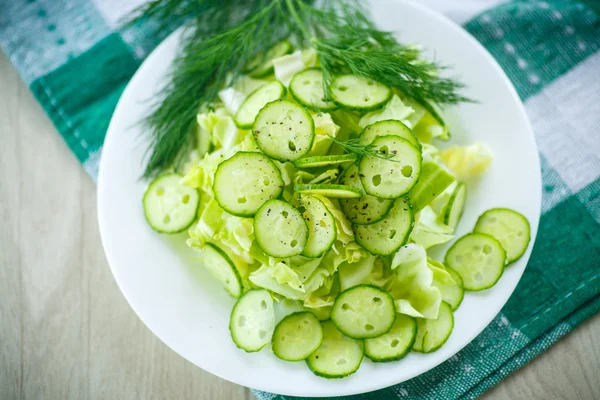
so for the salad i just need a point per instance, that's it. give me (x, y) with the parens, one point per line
(329, 205)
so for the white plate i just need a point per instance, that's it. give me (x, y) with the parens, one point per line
(183, 305)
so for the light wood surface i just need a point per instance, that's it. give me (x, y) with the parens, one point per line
(66, 332)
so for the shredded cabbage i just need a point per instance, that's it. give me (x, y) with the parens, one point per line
(287, 66)
(279, 279)
(231, 99)
(394, 109)
(412, 279)
(352, 274)
(412, 286)
(467, 161)
(345, 234)
(429, 128)
(429, 230)
(324, 128)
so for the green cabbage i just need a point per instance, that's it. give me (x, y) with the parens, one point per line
(345, 234)
(279, 279)
(467, 161)
(412, 286)
(326, 177)
(394, 109)
(429, 230)
(324, 128)
(287, 66)
(233, 234)
(352, 274)
(440, 275)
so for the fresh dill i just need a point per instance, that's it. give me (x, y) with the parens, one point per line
(361, 149)
(223, 36)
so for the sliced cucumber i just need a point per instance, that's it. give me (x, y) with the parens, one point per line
(338, 356)
(357, 93)
(322, 231)
(322, 161)
(393, 177)
(389, 127)
(262, 64)
(454, 295)
(364, 311)
(246, 114)
(479, 260)
(252, 320)
(284, 130)
(280, 230)
(307, 88)
(297, 336)
(329, 190)
(170, 206)
(389, 234)
(509, 227)
(453, 211)
(433, 333)
(222, 268)
(433, 181)
(367, 209)
(395, 344)
(245, 182)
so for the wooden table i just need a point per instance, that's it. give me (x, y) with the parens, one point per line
(66, 332)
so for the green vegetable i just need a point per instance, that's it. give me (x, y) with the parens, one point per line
(343, 37)
(412, 286)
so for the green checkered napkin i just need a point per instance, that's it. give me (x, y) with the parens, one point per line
(77, 60)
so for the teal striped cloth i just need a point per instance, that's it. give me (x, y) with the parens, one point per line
(77, 59)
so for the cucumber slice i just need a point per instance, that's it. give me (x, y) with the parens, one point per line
(509, 227)
(389, 234)
(170, 206)
(433, 333)
(297, 336)
(284, 130)
(262, 65)
(307, 88)
(279, 229)
(328, 190)
(367, 209)
(394, 177)
(433, 181)
(245, 182)
(322, 231)
(252, 320)
(246, 114)
(364, 311)
(479, 260)
(395, 344)
(338, 356)
(389, 127)
(358, 93)
(454, 295)
(222, 268)
(321, 161)
(453, 211)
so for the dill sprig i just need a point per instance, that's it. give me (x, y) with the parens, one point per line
(361, 149)
(207, 62)
(224, 36)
